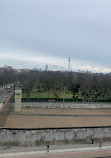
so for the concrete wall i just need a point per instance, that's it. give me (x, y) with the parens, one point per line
(33, 137)
(1, 104)
(65, 105)
(5, 110)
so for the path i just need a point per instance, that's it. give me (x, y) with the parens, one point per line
(60, 151)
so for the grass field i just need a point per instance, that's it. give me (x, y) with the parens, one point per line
(47, 95)
(63, 94)
(39, 95)
(28, 118)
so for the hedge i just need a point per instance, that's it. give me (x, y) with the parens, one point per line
(63, 99)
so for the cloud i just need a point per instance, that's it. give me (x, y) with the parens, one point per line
(49, 32)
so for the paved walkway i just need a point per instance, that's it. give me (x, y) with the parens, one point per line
(6, 151)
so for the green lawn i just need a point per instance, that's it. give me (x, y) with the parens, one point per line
(47, 95)
(39, 95)
(62, 94)
(66, 95)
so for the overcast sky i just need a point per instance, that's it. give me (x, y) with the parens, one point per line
(34, 33)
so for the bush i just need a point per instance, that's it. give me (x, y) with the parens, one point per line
(64, 99)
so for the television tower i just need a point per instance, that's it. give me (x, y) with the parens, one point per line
(69, 64)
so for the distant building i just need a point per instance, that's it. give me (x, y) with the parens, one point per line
(7, 67)
(18, 70)
(46, 67)
(25, 70)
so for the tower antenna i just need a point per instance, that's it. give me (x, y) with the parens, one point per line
(69, 64)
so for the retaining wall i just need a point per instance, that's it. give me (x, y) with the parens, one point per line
(65, 105)
(33, 137)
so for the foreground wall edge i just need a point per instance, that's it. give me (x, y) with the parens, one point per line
(33, 137)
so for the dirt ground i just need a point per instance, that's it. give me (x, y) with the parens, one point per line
(28, 120)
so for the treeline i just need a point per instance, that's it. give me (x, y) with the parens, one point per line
(87, 84)
(7, 77)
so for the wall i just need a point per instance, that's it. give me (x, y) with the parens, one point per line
(1, 104)
(33, 137)
(5, 110)
(65, 105)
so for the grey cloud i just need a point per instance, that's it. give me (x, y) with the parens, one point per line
(76, 28)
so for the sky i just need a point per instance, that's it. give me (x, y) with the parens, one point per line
(34, 33)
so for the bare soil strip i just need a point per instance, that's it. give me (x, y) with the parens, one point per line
(28, 119)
